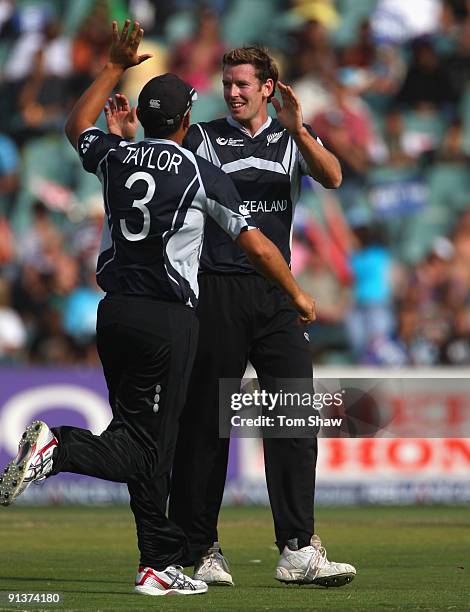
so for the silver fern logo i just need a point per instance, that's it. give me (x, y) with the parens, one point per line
(274, 137)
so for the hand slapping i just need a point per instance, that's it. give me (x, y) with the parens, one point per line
(289, 114)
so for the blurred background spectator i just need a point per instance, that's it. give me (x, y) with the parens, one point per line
(197, 59)
(385, 83)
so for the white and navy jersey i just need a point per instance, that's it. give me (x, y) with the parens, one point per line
(266, 169)
(157, 196)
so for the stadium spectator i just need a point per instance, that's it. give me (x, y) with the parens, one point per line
(452, 147)
(371, 317)
(321, 253)
(79, 315)
(328, 336)
(346, 128)
(89, 48)
(400, 349)
(9, 183)
(24, 31)
(310, 52)
(9, 174)
(42, 243)
(197, 60)
(12, 329)
(45, 96)
(322, 11)
(362, 52)
(427, 84)
(457, 63)
(427, 295)
(399, 152)
(456, 349)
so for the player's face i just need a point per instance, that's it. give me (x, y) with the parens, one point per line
(245, 96)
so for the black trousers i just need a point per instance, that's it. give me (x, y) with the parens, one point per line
(147, 348)
(241, 318)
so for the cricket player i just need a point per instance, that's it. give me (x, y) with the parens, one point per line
(245, 317)
(157, 197)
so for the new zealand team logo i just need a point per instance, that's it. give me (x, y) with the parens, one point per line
(274, 137)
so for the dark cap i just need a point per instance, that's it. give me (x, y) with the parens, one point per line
(164, 101)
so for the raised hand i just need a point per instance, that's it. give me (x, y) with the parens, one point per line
(121, 119)
(290, 113)
(124, 46)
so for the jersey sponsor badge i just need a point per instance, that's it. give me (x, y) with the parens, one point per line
(231, 142)
(86, 142)
(243, 210)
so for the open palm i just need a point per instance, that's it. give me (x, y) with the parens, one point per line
(290, 113)
(121, 119)
(125, 45)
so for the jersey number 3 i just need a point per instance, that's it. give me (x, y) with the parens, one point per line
(140, 204)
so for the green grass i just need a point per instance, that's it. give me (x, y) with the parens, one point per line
(414, 558)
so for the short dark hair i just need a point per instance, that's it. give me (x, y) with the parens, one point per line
(264, 65)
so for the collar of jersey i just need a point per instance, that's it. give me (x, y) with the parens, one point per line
(234, 123)
(163, 140)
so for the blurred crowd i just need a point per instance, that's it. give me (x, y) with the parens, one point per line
(384, 83)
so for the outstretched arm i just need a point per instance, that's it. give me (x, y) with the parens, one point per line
(323, 165)
(122, 55)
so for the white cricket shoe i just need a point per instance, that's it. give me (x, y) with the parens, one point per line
(32, 463)
(309, 565)
(170, 581)
(213, 568)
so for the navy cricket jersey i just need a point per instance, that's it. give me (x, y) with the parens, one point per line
(156, 196)
(266, 170)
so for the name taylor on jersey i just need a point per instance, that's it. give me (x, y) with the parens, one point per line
(144, 156)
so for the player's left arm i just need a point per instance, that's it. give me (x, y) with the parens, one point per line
(323, 165)
(123, 54)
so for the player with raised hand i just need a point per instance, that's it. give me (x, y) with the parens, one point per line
(157, 197)
(243, 317)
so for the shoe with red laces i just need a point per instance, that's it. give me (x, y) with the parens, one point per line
(170, 581)
(32, 463)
